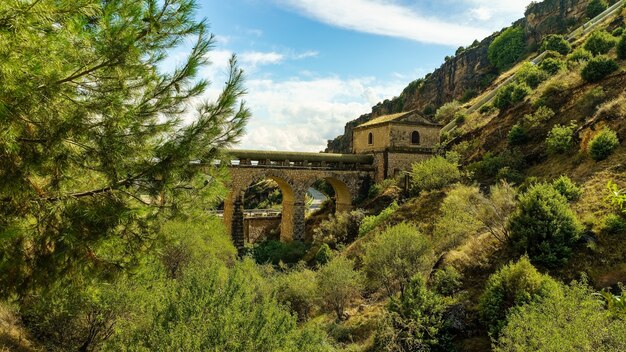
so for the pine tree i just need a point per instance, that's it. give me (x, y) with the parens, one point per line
(93, 148)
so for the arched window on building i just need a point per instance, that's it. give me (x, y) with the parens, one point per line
(415, 137)
(370, 138)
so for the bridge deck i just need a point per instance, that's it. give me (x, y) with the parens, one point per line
(297, 160)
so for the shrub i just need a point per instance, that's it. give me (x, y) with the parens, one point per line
(341, 228)
(600, 42)
(414, 322)
(434, 173)
(517, 135)
(323, 254)
(542, 115)
(544, 226)
(486, 109)
(567, 188)
(446, 281)
(507, 48)
(596, 7)
(614, 224)
(338, 284)
(297, 289)
(531, 75)
(580, 54)
(512, 286)
(621, 47)
(511, 94)
(552, 65)
(446, 112)
(617, 32)
(275, 252)
(560, 139)
(380, 187)
(395, 256)
(554, 95)
(491, 164)
(573, 320)
(603, 144)
(370, 222)
(556, 42)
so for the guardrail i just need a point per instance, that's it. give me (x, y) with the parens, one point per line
(322, 161)
(573, 35)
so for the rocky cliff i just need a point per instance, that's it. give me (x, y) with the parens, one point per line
(469, 71)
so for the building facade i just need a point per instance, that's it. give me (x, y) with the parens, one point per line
(396, 141)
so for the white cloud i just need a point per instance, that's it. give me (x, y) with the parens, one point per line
(257, 58)
(497, 12)
(305, 55)
(387, 18)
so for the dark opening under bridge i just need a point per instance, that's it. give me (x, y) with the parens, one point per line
(294, 172)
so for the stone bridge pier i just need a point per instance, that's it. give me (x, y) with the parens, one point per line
(294, 173)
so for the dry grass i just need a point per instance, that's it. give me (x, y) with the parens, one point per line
(13, 337)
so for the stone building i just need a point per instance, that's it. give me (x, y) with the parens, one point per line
(396, 141)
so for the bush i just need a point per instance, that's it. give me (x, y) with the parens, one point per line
(507, 48)
(446, 112)
(560, 139)
(556, 42)
(395, 256)
(491, 164)
(323, 254)
(603, 144)
(596, 7)
(600, 42)
(275, 252)
(370, 222)
(573, 320)
(621, 47)
(544, 226)
(517, 135)
(341, 228)
(567, 188)
(512, 286)
(434, 173)
(542, 115)
(531, 75)
(580, 54)
(338, 284)
(554, 94)
(552, 65)
(598, 68)
(614, 224)
(297, 289)
(380, 187)
(446, 281)
(414, 322)
(511, 94)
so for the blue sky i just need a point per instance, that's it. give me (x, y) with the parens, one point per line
(313, 65)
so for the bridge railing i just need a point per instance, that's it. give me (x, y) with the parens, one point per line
(272, 159)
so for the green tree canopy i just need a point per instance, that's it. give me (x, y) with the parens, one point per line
(93, 149)
(507, 48)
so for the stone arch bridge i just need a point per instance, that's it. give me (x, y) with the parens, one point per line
(294, 172)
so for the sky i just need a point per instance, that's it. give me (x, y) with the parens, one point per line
(313, 65)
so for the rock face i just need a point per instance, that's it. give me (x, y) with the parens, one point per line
(469, 72)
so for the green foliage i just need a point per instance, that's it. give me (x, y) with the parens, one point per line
(446, 281)
(214, 309)
(371, 222)
(92, 128)
(338, 284)
(600, 42)
(434, 173)
(298, 290)
(414, 322)
(556, 42)
(396, 255)
(544, 226)
(324, 254)
(598, 68)
(552, 65)
(560, 139)
(512, 286)
(518, 135)
(616, 304)
(617, 197)
(621, 47)
(378, 188)
(511, 94)
(492, 164)
(570, 321)
(447, 111)
(567, 188)
(580, 54)
(531, 75)
(542, 115)
(614, 224)
(275, 252)
(341, 228)
(596, 7)
(617, 32)
(507, 48)
(603, 144)
(555, 93)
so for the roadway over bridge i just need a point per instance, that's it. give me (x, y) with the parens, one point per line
(348, 174)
